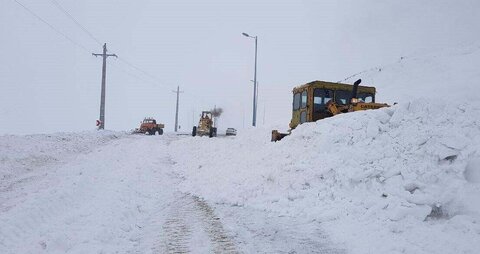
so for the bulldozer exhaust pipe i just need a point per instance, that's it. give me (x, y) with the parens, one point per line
(355, 89)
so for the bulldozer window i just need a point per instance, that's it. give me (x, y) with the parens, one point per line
(304, 99)
(342, 97)
(366, 97)
(303, 117)
(320, 98)
(296, 101)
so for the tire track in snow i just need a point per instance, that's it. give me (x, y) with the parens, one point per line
(221, 241)
(177, 229)
(190, 219)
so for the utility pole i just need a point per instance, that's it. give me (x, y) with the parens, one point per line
(254, 120)
(101, 123)
(176, 112)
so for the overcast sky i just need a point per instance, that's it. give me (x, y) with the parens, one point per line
(51, 84)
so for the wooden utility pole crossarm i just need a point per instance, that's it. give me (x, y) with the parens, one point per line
(104, 55)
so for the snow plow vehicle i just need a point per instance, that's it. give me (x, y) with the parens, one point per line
(206, 125)
(149, 126)
(320, 99)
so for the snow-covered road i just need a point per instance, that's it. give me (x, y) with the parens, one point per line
(404, 179)
(121, 195)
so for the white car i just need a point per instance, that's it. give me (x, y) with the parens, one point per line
(231, 132)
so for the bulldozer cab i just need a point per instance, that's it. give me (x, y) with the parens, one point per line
(206, 120)
(206, 115)
(206, 125)
(310, 100)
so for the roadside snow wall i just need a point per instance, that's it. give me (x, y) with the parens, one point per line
(403, 179)
(24, 157)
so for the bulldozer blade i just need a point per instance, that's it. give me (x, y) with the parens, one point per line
(277, 136)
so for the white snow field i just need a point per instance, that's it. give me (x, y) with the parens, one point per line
(404, 179)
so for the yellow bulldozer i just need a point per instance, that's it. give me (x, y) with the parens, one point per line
(206, 125)
(320, 99)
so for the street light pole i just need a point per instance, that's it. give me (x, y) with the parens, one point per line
(256, 96)
(256, 101)
(254, 120)
(255, 85)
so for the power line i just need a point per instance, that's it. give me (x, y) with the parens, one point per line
(60, 7)
(51, 26)
(142, 71)
(157, 82)
(140, 78)
(126, 72)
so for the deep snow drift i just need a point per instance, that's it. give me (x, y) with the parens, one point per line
(24, 158)
(400, 179)
(404, 179)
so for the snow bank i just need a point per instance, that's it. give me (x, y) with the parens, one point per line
(399, 179)
(20, 156)
(106, 195)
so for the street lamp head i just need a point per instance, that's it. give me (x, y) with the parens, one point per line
(246, 35)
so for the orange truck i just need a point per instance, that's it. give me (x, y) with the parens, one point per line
(149, 126)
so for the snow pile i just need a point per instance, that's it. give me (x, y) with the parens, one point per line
(21, 155)
(399, 179)
(107, 195)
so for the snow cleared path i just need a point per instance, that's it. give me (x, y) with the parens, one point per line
(123, 196)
